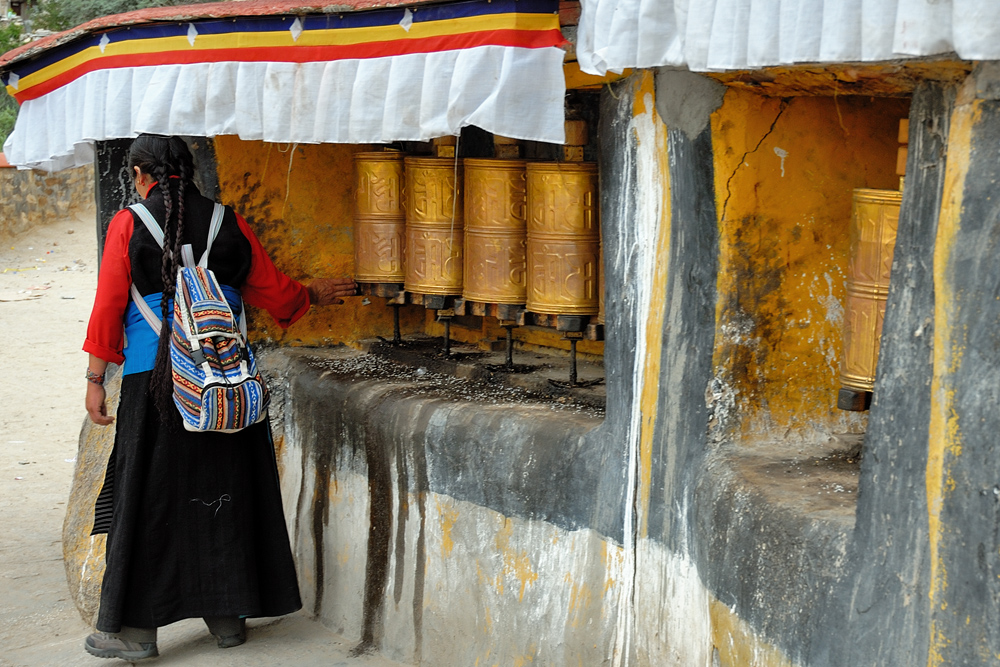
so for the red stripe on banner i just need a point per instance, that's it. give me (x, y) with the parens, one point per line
(533, 39)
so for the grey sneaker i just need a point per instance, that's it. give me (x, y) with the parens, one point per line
(107, 645)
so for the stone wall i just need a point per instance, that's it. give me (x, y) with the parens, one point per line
(443, 526)
(31, 198)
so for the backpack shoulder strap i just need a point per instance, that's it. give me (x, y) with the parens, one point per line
(213, 231)
(243, 320)
(187, 256)
(147, 313)
(157, 234)
(150, 222)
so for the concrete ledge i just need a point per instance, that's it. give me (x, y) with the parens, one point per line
(429, 515)
(445, 525)
(774, 531)
(493, 446)
(444, 522)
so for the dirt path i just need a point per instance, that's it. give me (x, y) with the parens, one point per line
(47, 282)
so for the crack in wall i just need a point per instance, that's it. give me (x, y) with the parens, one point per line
(729, 181)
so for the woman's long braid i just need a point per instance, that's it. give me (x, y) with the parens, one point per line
(172, 180)
(161, 382)
(167, 269)
(184, 176)
(168, 161)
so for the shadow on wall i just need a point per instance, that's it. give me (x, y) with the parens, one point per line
(31, 198)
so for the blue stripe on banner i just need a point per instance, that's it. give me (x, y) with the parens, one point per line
(365, 19)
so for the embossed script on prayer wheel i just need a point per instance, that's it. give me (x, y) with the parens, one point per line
(873, 239)
(434, 227)
(563, 238)
(495, 231)
(379, 223)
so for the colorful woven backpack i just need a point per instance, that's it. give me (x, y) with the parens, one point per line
(216, 383)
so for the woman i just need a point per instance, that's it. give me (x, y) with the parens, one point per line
(194, 520)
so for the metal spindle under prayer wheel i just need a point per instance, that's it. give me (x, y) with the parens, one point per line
(509, 326)
(396, 337)
(444, 316)
(572, 336)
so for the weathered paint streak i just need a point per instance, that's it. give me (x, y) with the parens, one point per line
(612, 560)
(449, 515)
(635, 259)
(580, 599)
(944, 442)
(516, 563)
(651, 137)
(673, 626)
(737, 645)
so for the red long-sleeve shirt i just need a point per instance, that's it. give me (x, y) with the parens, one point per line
(265, 287)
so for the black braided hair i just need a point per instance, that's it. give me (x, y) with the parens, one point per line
(169, 162)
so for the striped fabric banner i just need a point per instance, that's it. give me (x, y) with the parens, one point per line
(396, 74)
(374, 34)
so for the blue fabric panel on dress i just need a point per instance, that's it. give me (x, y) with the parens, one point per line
(140, 339)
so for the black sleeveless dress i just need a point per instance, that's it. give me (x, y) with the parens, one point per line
(194, 520)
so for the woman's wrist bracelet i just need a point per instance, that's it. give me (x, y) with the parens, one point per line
(94, 377)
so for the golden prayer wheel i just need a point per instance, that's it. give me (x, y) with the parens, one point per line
(434, 227)
(873, 239)
(563, 238)
(379, 223)
(495, 231)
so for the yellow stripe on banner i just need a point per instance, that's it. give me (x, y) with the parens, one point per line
(283, 38)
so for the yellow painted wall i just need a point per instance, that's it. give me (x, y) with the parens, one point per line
(784, 174)
(299, 201)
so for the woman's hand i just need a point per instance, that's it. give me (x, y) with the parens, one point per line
(326, 291)
(96, 405)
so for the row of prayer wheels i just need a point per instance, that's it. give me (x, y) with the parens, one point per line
(511, 232)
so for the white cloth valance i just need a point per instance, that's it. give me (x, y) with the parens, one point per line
(719, 35)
